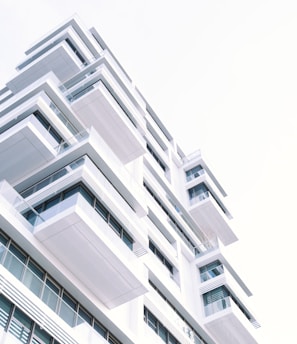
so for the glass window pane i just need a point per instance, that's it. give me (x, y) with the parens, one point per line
(87, 196)
(41, 336)
(33, 278)
(30, 216)
(84, 316)
(50, 294)
(5, 308)
(163, 332)
(100, 329)
(67, 310)
(14, 261)
(101, 210)
(152, 321)
(20, 326)
(59, 174)
(51, 202)
(3, 240)
(70, 192)
(128, 240)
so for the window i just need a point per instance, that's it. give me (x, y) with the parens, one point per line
(40, 336)
(159, 328)
(161, 257)
(211, 270)
(5, 309)
(48, 127)
(14, 261)
(76, 52)
(14, 321)
(186, 327)
(216, 300)
(194, 172)
(173, 222)
(31, 216)
(20, 326)
(67, 309)
(199, 192)
(155, 156)
(50, 292)
(33, 278)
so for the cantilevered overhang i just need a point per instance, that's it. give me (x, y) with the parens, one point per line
(60, 60)
(88, 247)
(211, 219)
(230, 326)
(23, 148)
(98, 108)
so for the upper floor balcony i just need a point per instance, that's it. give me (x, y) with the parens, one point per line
(205, 199)
(99, 101)
(40, 300)
(225, 297)
(25, 147)
(210, 213)
(228, 322)
(59, 59)
(90, 243)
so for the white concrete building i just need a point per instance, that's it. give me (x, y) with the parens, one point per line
(109, 233)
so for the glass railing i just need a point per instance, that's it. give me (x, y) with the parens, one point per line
(44, 292)
(36, 218)
(227, 302)
(75, 139)
(53, 177)
(211, 273)
(195, 175)
(205, 195)
(217, 306)
(199, 197)
(63, 118)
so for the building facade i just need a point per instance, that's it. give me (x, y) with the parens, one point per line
(108, 232)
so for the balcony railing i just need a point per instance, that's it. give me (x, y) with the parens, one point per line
(217, 306)
(195, 175)
(47, 295)
(63, 118)
(226, 302)
(200, 197)
(211, 273)
(53, 177)
(75, 139)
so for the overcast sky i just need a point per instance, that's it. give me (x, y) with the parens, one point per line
(222, 76)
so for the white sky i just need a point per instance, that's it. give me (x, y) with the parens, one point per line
(222, 75)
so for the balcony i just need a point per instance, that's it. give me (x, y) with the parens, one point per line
(95, 254)
(25, 147)
(60, 60)
(226, 296)
(227, 323)
(96, 106)
(210, 216)
(42, 303)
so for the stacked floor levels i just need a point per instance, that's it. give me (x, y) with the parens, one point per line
(108, 232)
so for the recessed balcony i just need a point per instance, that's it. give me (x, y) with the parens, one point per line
(228, 324)
(89, 248)
(225, 297)
(25, 147)
(97, 107)
(210, 215)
